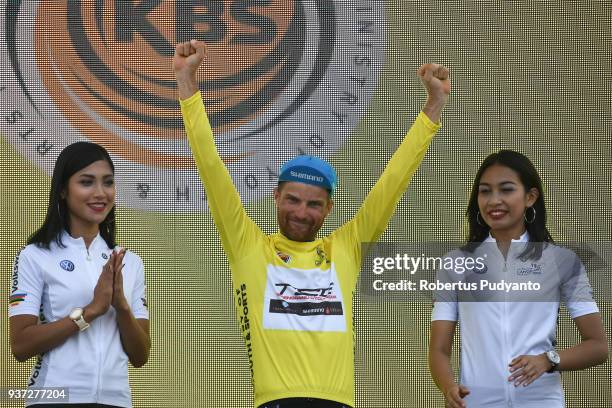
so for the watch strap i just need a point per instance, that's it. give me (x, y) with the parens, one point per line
(83, 325)
(553, 364)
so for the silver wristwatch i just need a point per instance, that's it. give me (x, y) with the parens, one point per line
(554, 359)
(77, 317)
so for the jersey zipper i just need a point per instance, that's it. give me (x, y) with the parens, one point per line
(504, 320)
(96, 337)
(98, 342)
(509, 386)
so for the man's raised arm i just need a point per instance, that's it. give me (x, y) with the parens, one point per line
(237, 230)
(188, 56)
(372, 218)
(436, 80)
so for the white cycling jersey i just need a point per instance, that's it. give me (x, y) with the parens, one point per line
(91, 365)
(498, 326)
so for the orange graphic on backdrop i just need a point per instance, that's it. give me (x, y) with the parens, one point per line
(85, 66)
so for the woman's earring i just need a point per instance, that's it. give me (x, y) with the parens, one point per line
(482, 224)
(532, 220)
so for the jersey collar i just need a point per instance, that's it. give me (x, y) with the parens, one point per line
(522, 238)
(79, 243)
(283, 243)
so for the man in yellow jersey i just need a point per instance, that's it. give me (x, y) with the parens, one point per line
(293, 289)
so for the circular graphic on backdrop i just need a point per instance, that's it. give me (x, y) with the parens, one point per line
(281, 78)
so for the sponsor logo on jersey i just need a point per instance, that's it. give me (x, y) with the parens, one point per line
(306, 300)
(480, 270)
(533, 269)
(287, 290)
(321, 257)
(245, 322)
(306, 308)
(40, 361)
(36, 370)
(67, 265)
(15, 277)
(284, 257)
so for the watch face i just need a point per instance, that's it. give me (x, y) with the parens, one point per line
(553, 356)
(76, 313)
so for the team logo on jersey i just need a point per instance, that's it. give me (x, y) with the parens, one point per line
(104, 256)
(321, 257)
(310, 300)
(67, 265)
(533, 269)
(480, 269)
(284, 257)
(306, 300)
(281, 77)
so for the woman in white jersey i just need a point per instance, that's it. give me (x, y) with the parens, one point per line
(508, 355)
(77, 301)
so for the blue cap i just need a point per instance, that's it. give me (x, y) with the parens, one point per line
(309, 170)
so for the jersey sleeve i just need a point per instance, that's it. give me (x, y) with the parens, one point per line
(139, 293)
(27, 285)
(445, 310)
(374, 214)
(445, 305)
(238, 232)
(576, 290)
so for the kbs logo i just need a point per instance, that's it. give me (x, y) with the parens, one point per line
(281, 78)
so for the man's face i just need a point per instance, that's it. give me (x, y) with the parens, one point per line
(301, 209)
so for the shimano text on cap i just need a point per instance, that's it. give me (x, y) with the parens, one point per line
(309, 170)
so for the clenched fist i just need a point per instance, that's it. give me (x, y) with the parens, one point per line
(436, 80)
(188, 56)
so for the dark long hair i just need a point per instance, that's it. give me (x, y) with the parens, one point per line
(72, 159)
(538, 233)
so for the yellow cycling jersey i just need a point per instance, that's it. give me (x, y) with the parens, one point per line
(294, 299)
